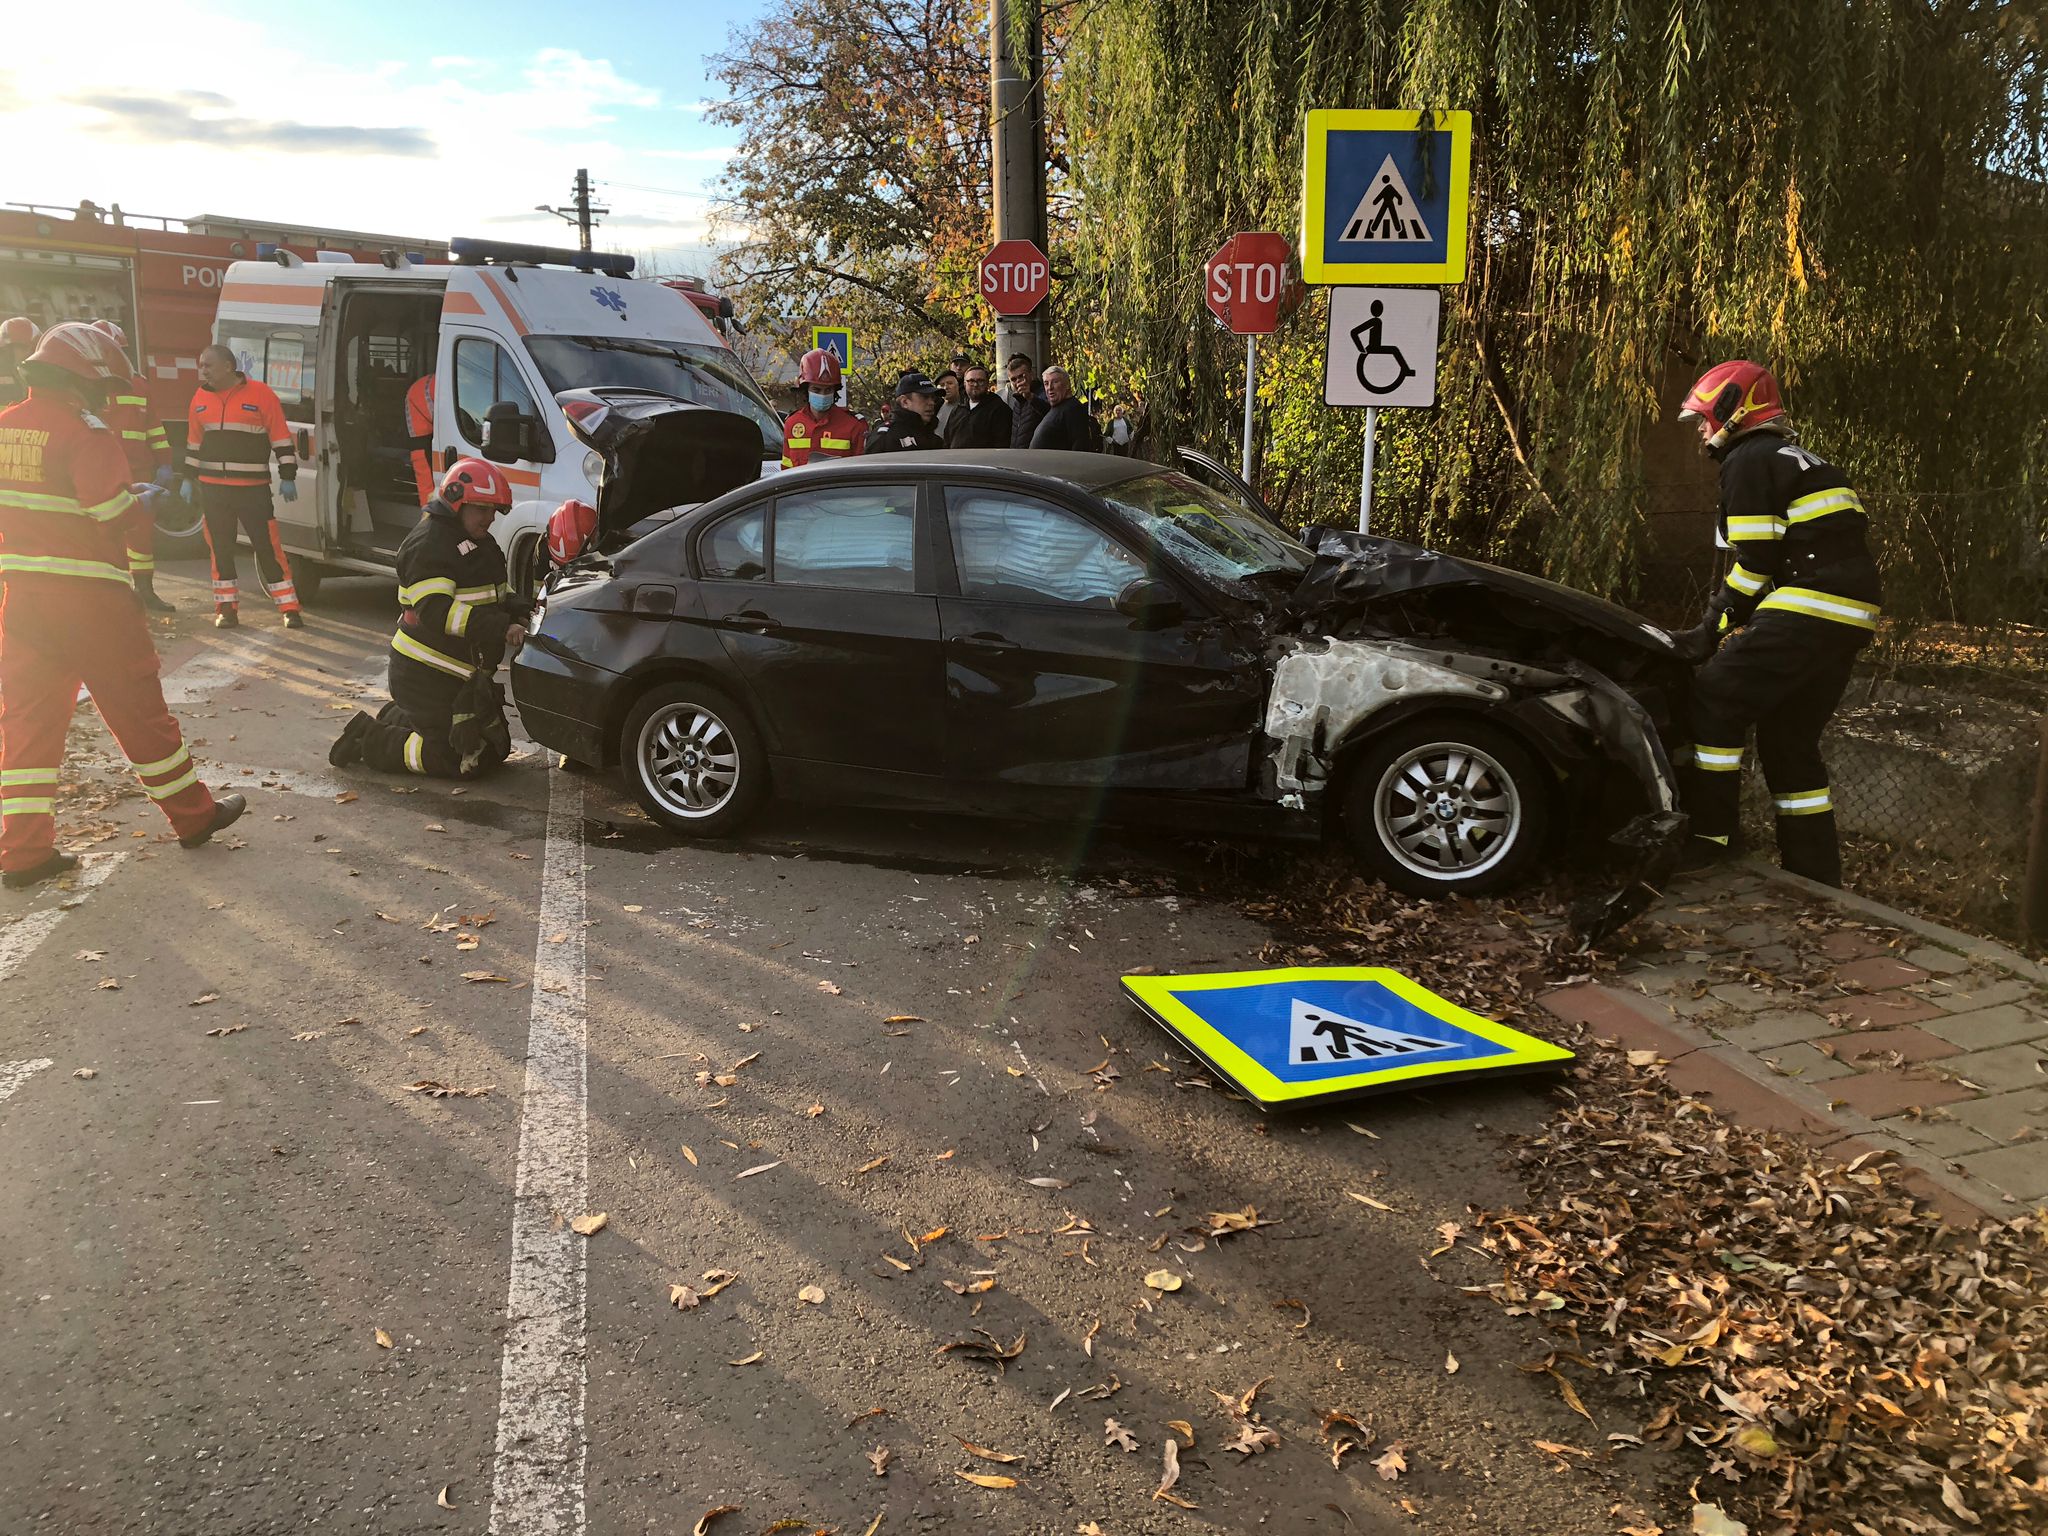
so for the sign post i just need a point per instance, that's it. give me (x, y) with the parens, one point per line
(1385, 199)
(1243, 285)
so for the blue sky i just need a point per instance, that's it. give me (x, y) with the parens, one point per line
(425, 120)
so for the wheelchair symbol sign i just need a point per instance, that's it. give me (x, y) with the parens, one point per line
(1382, 347)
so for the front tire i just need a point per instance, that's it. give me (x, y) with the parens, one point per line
(693, 759)
(1446, 807)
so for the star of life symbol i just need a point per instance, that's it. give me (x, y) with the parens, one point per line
(1388, 210)
(1323, 1036)
(610, 298)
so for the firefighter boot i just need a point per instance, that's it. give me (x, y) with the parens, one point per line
(56, 864)
(1809, 846)
(348, 747)
(145, 588)
(227, 810)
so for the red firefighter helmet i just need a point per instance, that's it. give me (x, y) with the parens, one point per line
(112, 332)
(569, 530)
(820, 370)
(475, 483)
(80, 350)
(1731, 398)
(20, 332)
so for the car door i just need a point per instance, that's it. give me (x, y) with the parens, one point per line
(1047, 683)
(824, 600)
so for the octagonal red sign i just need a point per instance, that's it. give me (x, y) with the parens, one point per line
(1245, 282)
(1015, 277)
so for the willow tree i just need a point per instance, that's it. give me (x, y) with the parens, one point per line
(1851, 193)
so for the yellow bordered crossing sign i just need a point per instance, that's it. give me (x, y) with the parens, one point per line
(1307, 1035)
(836, 339)
(1385, 196)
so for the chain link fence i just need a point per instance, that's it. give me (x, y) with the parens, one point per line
(1934, 751)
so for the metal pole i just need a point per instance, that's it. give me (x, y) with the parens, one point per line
(1017, 157)
(583, 209)
(2034, 899)
(1251, 387)
(1372, 422)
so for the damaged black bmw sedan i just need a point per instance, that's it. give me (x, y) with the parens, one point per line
(1084, 636)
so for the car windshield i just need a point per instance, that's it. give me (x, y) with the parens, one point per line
(702, 375)
(1218, 534)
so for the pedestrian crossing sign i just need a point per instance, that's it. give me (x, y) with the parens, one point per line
(1384, 197)
(1306, 1035)
(836, 339)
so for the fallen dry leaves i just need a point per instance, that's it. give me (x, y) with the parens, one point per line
(814, 1294)
(703, 1525)
(439, 1090)
(987, 1348)
(986, 1479)
(590, 1225)
(1114, 1433)
(441, 1498)
(1169, 1474)
(879, 1458)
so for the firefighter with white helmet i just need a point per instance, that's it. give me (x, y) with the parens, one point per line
(821, 428)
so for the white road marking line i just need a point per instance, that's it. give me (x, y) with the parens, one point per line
(14, 1073)
(24, 937)
(537, 1483)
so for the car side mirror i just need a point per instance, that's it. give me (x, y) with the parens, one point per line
(1150, 603)
(510, 434)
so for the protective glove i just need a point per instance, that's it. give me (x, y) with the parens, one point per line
(1698, 644)
(288, 489)
(147, 493)
(165, 478)
(186, 492)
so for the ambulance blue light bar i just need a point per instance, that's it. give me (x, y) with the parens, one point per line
(477, 253)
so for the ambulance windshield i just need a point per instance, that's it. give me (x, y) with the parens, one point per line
(702, 375)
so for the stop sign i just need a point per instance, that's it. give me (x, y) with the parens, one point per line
(1015, 277)
(1245, 281)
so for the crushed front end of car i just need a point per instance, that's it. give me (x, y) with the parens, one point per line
(1377, 630)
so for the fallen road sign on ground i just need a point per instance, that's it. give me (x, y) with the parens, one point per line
(1295, 1037)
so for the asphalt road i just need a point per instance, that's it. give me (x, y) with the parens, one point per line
(833, 1056)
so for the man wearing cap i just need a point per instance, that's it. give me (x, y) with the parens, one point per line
(909, 426)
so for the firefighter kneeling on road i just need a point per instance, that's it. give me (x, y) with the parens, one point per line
(1798, 605)
(446, 718)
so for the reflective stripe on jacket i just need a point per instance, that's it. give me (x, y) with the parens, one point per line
(231, 434)
(1799, 534)
(455, 600)
(838, 434)
(142, 437)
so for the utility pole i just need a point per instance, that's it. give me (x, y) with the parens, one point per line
(582, 212)
(1017, 157)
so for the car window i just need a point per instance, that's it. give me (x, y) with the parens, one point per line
(864, 537)
(737, 548)
(484, 375)
(1014, 549)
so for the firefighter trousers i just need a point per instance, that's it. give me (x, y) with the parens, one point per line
(399, 741)
(249, 508)
(1784, 675)
(57, 632)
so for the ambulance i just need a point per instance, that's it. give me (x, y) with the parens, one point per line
(503, 331)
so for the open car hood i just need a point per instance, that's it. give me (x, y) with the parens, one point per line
(660, 453)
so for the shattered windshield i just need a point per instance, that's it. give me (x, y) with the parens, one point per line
(701, 375)
(1217, 534)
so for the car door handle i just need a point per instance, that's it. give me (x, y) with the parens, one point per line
(983, 640)
(752, 620)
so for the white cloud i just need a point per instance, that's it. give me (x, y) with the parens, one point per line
(716, 154)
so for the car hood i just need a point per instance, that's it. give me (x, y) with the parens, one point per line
(660, 453)
(1360, 581)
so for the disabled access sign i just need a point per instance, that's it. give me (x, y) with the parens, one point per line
(1308, 1035)
(1385, 196)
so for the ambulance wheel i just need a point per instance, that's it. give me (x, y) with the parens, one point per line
(1446, 806)
(693, 759)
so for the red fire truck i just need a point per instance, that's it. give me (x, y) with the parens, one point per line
(158, 279)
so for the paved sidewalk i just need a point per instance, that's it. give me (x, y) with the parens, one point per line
(1810, 1010)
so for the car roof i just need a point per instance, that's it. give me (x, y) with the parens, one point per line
(1088, 471)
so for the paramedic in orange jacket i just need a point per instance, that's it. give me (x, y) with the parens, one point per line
(419, 435)
(68, 614)
(149, 459)
(235, 425)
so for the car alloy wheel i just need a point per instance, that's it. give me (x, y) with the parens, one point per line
(1447, 810)
(689, 761)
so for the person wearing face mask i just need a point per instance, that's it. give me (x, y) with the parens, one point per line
(821, 428)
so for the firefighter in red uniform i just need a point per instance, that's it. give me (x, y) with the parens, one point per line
(17, 339)
(419, 435)
(149, 459)
(235, 425)
(68, 613)
(821, 429)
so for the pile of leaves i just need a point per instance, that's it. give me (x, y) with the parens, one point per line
(1844, 1361)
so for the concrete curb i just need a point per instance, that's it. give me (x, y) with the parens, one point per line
(1968, 945)
(1747, 1091)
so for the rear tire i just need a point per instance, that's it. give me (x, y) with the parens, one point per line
(693, 759)
(1447, 806)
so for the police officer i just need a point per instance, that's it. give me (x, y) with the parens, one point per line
(909, 426)
(1784, 628)
(821, 428)
(446, 718)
